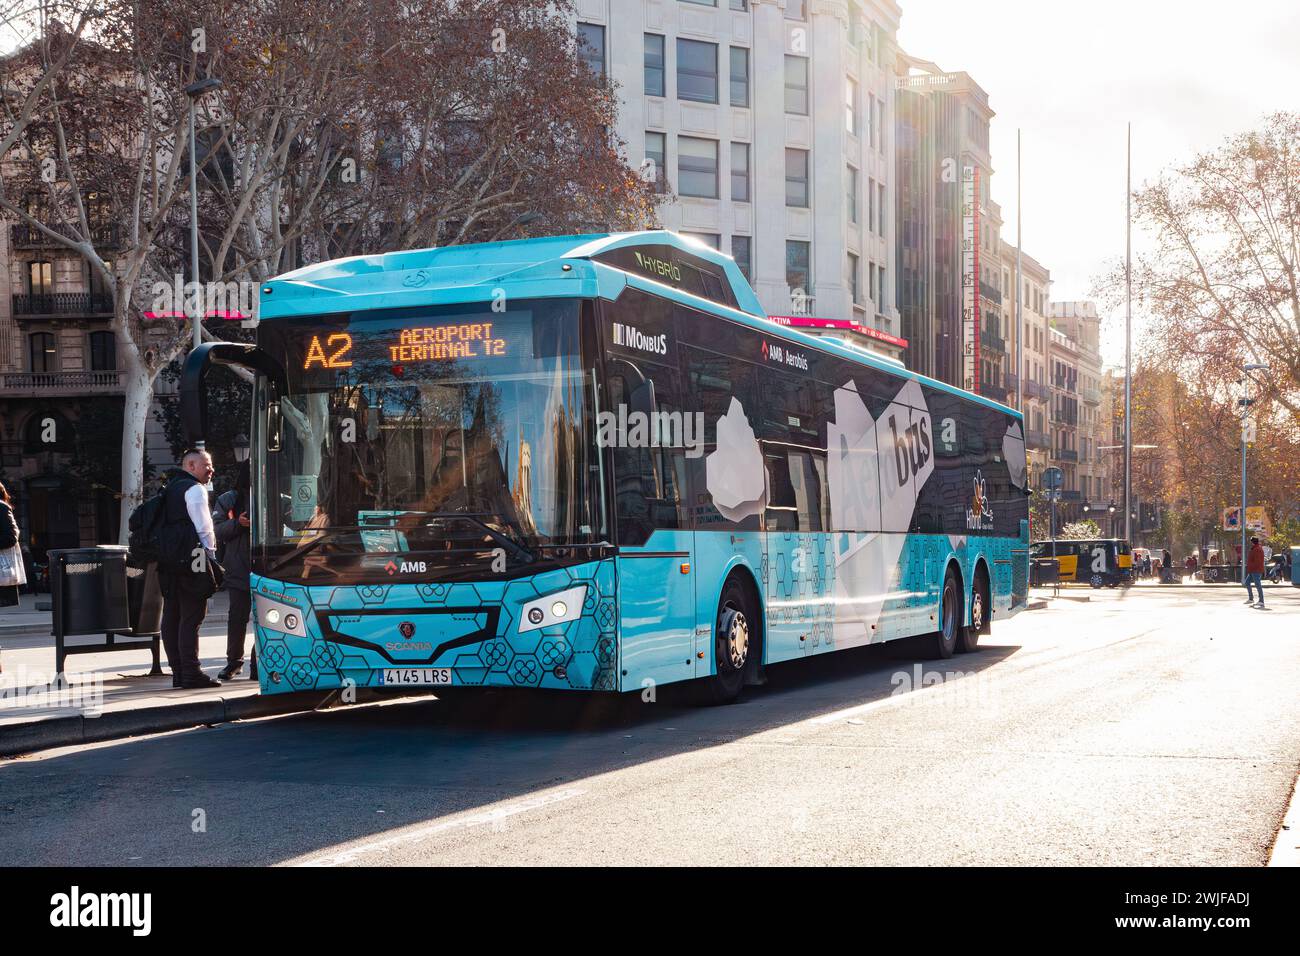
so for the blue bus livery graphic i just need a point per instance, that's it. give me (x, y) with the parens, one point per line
(480, 466)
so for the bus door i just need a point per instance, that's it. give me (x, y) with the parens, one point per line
(795, 550)
(656, 564)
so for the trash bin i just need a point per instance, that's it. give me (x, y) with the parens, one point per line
(88, 587)
(1295, 566)
(93, 592)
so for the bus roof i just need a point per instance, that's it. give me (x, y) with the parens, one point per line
(552, 266)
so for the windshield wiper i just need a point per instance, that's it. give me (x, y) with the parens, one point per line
(321, 537)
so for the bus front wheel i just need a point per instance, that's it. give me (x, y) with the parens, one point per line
(736, 642)
(943, 642)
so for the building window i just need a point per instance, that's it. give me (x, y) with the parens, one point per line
(871, 280)
(591, 47)
(103, 352)
(880, 207)
(880, 125)
(739, 76)
(796, 178)
(740, 172)
(796, 9)
(655, 152)
(740, 251)
(95, 281)
(702, 3)
(40, 352)
(855, 270)
(796, 267)
(796, 83)
(851, 197)
(851, 106)
(871, 121)
(697, 71)
(740, 5)
(654, 65)
(880, 287)
(710, 239)
(40, 278)
(697, 167)
(871, 204)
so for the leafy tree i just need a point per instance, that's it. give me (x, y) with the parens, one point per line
(1079, 530)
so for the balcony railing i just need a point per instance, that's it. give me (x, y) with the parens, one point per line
(992, 341)
(1090, 395)
(1065, 383)
(1065, 454)
(996, 392)
(1035, 390)
(1038, 439)
(991, 293)
(1071, 495)
(64, 303)
(1064, 416)
(52, 383)
(29, 237)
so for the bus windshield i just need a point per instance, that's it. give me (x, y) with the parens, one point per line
(439, 440)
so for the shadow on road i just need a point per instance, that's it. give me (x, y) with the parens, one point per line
(294, 782)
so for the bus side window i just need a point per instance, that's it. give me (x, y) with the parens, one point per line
(647, 475)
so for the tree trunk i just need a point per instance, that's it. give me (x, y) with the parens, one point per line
(135, 418)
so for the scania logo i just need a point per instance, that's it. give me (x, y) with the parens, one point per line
(407, 629)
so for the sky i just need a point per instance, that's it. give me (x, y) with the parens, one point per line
(1186, 73)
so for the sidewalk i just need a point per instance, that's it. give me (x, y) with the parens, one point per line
(110, 695)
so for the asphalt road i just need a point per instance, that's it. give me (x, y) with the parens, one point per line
(1161, 726)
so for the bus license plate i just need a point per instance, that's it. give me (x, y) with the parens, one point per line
(415, 676)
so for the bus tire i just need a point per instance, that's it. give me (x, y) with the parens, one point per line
(736, 639)
(979, 612)
(942, 643)
(1096, 581)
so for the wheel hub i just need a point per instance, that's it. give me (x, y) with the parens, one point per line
(977, 611)
(737, 640)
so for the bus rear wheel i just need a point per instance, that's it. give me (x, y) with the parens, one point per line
(1096, 580)
(979, 613)
(943, 642)
(736, 641)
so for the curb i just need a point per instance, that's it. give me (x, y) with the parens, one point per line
(20, 739)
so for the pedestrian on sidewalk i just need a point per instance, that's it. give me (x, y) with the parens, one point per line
(191, 577)
(12, 572)
(1255, 570)
(234, 552)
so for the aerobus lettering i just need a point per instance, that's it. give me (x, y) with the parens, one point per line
(911, 449)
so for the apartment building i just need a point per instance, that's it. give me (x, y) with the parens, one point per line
(58, 376)
(1081, 324)
(769, 127)
(1036, 281)
(948, 237)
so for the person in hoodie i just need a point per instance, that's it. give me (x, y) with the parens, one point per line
(234, 551)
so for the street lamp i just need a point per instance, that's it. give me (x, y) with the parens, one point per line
(194, 91)
(241, 447)
(1246, 402)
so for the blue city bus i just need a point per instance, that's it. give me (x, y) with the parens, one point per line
(592, 463)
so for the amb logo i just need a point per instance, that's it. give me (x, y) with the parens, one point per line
(912, 448)
(406, 567)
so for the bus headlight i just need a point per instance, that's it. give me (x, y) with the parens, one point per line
(553, 609)
(279, 617)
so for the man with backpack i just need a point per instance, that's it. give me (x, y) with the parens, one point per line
(188, 572)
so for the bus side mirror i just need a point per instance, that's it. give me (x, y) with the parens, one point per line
(643, 398)
(273, 424)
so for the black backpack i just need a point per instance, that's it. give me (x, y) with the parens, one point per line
(151, 538)
(144, 543)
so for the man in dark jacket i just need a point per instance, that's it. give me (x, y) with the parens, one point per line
(186, 581)
(235, 553)
(1255, 570)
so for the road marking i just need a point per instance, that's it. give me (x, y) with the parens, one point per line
(487, 817)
